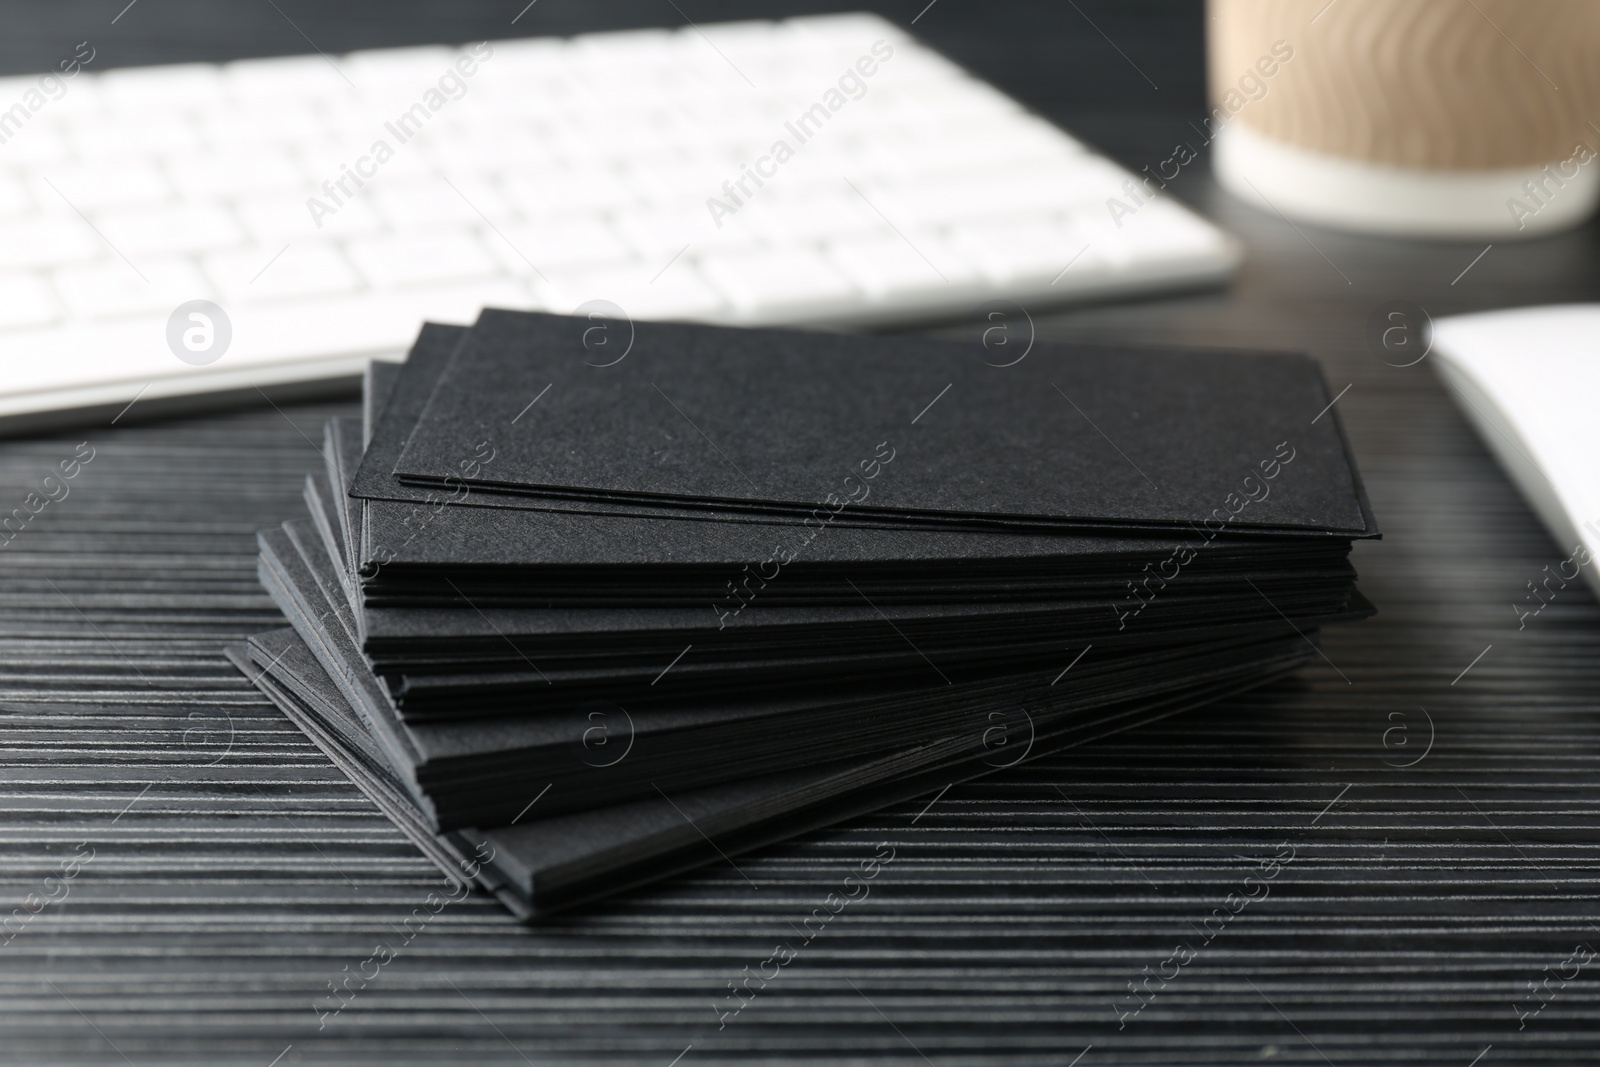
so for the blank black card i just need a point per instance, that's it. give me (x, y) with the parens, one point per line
(771, 421)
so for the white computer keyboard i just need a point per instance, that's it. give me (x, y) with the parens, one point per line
(822, 171)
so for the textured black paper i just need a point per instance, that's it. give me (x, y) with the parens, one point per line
(478, 770)
(771, 419)
(378, 384)
(463, 729)
(486, 551)
(541, 863)
(439, 662)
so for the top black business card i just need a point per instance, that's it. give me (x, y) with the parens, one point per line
(901, 429)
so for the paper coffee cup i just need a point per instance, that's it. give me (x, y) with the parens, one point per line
(1442, 118)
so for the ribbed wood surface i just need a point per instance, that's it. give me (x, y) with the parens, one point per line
(231, 882)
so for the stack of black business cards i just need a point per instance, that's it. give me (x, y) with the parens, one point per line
(581, 603)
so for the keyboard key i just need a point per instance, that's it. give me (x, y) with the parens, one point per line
(538, 195)
(1162, 232)
(960, 97)
(734, 53)
(578, 243)
(979, 197)
(421, 258)
(772, 285)
(26, 300)
(668, 179)
(234, 130)
(678, 293)
(1024, 254)
(846, 30)
(437, 203)
(113, 290)
(14, 198)
(949, 153)
(85, 188)
(627, 48)
(299, 269)
(305, 339)
(137, 92)
(278, 219)
(37, 144)
(601, 135)
(190, 228)
(890, 267)
(655, 236)
(507, 147)
(49, 241)
(269, 81)
(334, 157)
(81, 98)
(236, 175)
(103, 137)
(540, 89)
(742, 232)
(532, 55)
(412, 68)
(834, 211)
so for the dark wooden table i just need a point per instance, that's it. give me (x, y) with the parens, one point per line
(1429, 839)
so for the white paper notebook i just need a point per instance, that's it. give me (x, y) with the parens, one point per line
(1529, 381)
